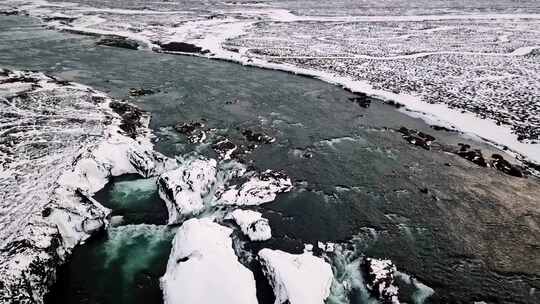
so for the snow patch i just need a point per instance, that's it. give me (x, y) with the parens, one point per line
(186, 188)
(252, 224)
(259, 189)
(203, 267)
(297, 278)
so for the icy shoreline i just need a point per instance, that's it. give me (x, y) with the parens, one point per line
(214, 33)
(63, 141)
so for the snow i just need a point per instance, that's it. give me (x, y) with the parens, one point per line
(297, 278)
(67, 155)
(380, 279)
(259, 189)
(200, 184)
(203, 267)
(186, 188)
(252, 224)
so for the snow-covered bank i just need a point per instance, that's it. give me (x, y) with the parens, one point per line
(297, 278)
(252, 224)
(203, 267)
(61, 142)
(214, 36)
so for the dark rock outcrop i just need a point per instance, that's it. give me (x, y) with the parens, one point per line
(474, 156)
(131, 117)
(503, 165)
(192, 130)
(259, 138)
(361, 99)
(417, 138)
(182, 47)
(140, 92)
(118, 41)
(379, 279)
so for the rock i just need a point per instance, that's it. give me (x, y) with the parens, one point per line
(297, 278)
(260, 138)
(61, 19)
(182, 47)
(192, 130)
(131, 117)
(379, 278)
(224, 149)
(149, 163)
(252, 224)
(203, 267)
(395, 104)
(9, 13)
(46, 212)
(140, 92)
(503, 165)
(442, 128)
(118, 41)
(186, 188)
(417, 138)
(361, 99)
(474, 156)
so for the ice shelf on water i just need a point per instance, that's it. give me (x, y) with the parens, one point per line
(252, 224)
(297, 278)
(203, 267)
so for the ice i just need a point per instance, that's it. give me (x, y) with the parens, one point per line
(203, 267)
(186, 188)
(200, 184)
(252, 224)
(380, 279)
(297, 278)
(259, 189)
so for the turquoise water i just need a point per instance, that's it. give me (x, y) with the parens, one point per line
(135, 199)
(122, 266)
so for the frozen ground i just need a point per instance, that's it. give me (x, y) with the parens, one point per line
(479, 59)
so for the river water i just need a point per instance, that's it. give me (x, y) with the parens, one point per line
(355, 177)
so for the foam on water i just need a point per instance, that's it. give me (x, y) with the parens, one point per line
(133, 247)
(348, 285)
(122, 192)
(422, 291)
